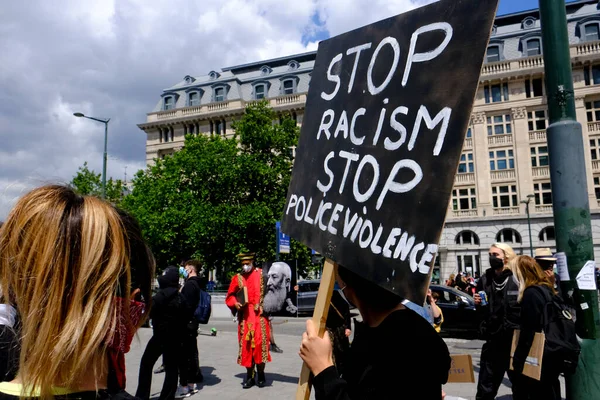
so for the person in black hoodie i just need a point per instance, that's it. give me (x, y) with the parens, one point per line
(500, 317)
(393, 349)
(168, 325)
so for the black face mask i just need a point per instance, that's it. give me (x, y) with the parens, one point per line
(496, 263)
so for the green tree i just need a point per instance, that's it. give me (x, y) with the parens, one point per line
(219, 196)
(87, 182)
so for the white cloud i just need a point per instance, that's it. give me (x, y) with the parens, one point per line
(111, 59)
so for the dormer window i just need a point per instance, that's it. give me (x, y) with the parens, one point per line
(169, 103)
(533, 47)
(289, 84)
(188, 79)
(494, 29)
(265, 70)
(259, 91)
(492, 54)
(528, 23)
(219, 94)
(591, 32)
(214, 75)
(293, 64)
(193, 99)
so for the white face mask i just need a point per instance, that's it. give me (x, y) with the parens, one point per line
(247, 268)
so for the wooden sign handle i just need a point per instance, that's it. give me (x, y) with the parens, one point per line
(319, 318)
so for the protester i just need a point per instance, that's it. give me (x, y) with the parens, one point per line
(189, 370)
(434, 310)
(500, 317)
(534, 291)
(546, 260)
(450, 281)
(168, 328)
(79, 274)
(253, 326)
(393, 350)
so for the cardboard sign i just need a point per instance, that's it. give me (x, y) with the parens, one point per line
(386, 115)
(533, 362)
(461, 369)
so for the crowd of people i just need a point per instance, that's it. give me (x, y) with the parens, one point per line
(83, 265)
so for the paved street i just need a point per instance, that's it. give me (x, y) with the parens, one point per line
(223, 376)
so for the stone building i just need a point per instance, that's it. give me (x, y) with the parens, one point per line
(503, 169)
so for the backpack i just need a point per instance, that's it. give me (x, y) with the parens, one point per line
(561, 348)
(204, 309)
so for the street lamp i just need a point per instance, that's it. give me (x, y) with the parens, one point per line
(105, 122)
(526, 202)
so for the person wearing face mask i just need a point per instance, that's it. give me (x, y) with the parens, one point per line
(500, 317)
(253, 326)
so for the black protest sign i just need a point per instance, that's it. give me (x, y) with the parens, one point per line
(385, 120)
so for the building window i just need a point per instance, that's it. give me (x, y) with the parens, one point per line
(293, 64)
(466, 163)
(533, 47)
(259, 91)
(591, 74)
(528, 23)
(502, 159)
(508, 235)
(194, 99)
(469, 132)
(504, 196)
(169, 103)
(536, 120)
(534, 87)
(492, 54)
(591, 32)
(539, 156)
(219, 94)
(593, 110)
(499, 125)
(464, 199)
(543, 193)
(547, 234)
(288, 86)
(595, 148)
(468, 238)
(597, 187)
(468, 264)
(496, 93)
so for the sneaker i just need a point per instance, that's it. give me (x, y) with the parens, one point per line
(182, 392)
(275, 348)
(193, 388)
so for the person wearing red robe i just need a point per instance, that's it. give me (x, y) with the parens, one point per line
(253, 327)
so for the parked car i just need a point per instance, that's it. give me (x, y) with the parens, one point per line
(307, 295)
(458, 308)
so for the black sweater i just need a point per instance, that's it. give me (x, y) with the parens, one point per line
(401, 357)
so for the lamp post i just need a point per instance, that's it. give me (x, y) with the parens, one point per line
(105, 122)
(526, 202)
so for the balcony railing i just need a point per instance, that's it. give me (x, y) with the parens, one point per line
(539, 172)
(596, 165)
(468, 144)
(546, 208)
(594, 126)
(503, 175)
(531, 62)
(537, 136)
(222, 105)
(500, 140)
(507, 211)
(496, 67)
(287, 99)
(464, 213)
(587, 48)
(463, 179)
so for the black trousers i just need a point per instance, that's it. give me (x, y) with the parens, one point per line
(169, 348)
(494, 362)
(189, 363)
(547, 388)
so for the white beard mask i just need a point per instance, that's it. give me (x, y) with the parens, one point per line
(247, 268)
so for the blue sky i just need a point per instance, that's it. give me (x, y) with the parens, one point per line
(512, 6)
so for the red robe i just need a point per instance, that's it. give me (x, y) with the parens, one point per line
(253, 328)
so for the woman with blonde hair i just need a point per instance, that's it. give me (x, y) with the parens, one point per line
(79, 273)
(500, 317)
(535, 290)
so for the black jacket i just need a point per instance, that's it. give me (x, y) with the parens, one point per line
(191, 296)
(168, 313)
(502, 313)
(401, 357)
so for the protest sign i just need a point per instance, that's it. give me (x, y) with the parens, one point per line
(280, 297)
(386, 114)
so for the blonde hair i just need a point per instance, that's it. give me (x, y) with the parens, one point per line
(64, 260)
(528, 273)
(508, 251)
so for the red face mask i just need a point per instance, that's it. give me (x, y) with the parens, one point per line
(119, 341)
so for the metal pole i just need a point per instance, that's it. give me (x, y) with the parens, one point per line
(104, 160)
(277, 244)
(529, 226)
(569, 194)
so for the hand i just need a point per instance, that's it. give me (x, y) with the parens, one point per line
(238, 306)
(477, 299)
(316, 352)
(260, 310)
(347, 332)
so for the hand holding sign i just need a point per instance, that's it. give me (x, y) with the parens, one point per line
(316, 351)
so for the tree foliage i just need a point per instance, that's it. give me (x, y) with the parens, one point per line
(219, 196)
(87, 182)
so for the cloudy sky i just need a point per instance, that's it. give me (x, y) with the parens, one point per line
(112, 58)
